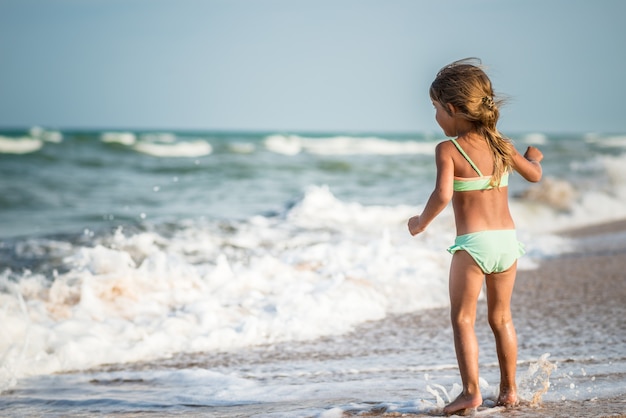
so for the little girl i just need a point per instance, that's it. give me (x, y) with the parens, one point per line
(473, 172)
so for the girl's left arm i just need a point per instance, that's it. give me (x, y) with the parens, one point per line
(440, 197)
(529, 165)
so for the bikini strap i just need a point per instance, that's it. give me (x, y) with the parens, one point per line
(456, 144)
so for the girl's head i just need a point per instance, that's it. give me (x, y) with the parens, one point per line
(464, 85)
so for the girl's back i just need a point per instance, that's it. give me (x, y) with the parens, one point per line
(477, 210)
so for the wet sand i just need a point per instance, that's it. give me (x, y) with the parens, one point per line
(581, 294)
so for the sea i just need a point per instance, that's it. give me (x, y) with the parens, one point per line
(263, 273)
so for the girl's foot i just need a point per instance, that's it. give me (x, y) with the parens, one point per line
(507, 398)
(462, 403)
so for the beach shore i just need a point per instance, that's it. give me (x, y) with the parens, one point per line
(578, 296)
(572, 307)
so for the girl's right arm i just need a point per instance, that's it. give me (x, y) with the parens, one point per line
(442, 194)
(529, 165)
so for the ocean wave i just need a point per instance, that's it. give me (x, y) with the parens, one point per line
(557, 204)
(321, 267)
(123, 138)
(189, 149)
(345, 145)
(242, 147)
(46, 135)
(138, 295)
(284, 144)
(535, 138)
(556, 193)
(158, 137)
(23, 145)
(614, 168)
(616, 141)
(610, 166)
(162, 144)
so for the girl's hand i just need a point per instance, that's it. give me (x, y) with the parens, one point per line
(414, 225)
(533, 154)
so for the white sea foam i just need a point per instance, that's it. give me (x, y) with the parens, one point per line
(618, 141)
(307, 274)
(345, 145)
(124, 138)
(242, 147)
(321, 268)
(190, 149)
(46, 135)
(535, 138)
(556, 193)
(284, 144)
(557, 204)
(23, 145)
(614, 168)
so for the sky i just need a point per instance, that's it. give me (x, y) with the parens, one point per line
(305, 65)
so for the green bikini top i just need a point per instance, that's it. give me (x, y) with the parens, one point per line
(475, 183)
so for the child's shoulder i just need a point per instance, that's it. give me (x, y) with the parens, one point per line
(444, 150)
(445, 146)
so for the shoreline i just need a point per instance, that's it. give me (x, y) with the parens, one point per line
(571, 306)
(603, 228)
(539, 298)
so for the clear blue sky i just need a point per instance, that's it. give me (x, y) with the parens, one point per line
(305, 65)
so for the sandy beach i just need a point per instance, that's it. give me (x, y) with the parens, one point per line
(581, 294)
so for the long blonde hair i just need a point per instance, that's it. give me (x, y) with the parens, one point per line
(466, 86)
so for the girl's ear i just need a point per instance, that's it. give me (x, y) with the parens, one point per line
(451, 109)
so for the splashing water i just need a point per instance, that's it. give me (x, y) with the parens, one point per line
(535, 382)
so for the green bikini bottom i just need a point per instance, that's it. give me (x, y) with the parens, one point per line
(494, 251)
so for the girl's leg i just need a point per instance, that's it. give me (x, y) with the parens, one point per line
(466, 280)
(499, 292)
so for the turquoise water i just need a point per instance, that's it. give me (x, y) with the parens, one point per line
(83, 182)
(95, 180)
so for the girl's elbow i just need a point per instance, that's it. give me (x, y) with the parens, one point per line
(442, 194)
(445, 196)
(535, 177)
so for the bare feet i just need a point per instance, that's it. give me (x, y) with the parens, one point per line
(462, 403)
(508, 398)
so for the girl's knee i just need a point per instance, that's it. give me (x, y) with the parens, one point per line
(461, 320)
(500, 320)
